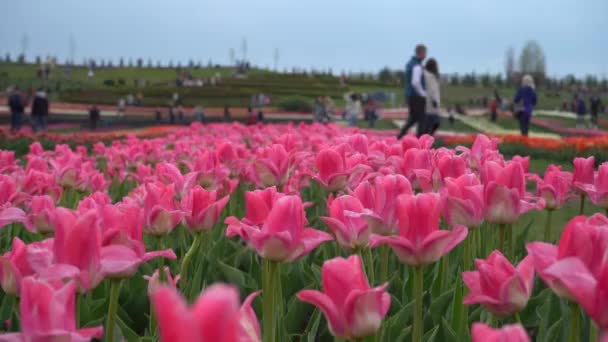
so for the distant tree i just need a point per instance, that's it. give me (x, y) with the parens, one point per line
(455, 79)
(102, 63)
(21, 58)
(140, 62)
(532, 61)
(209, 64)
(232, 56)
(7, 59)
(159, 64)
(110, 63)
(486, 80)
(385, 75)
(38, 60)
(604, 85)
(591, 81)
(509, 64)
(149, 63)
(498, 81)
(130, 63)
(121, 62)
(570, 80)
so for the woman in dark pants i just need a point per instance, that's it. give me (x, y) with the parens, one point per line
(526, 100)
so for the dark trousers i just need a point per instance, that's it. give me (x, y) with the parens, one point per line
(594, 118)
(16, 121)
(39, 123)
(524, 123)
(417, 107)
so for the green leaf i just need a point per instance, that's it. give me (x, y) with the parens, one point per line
(554, 331)
(431, 335)
(440, 305)
(316, 320)
(235, 276)
(126, 331)
(448, 334)
(459, 310)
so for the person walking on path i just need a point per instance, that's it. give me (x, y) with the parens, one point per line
(581, 111)
(595, 108)
(415, 92)
(40, 111)
(526, 99)
(94, 117)
(353, 109)
(16, 103)
(433, 98)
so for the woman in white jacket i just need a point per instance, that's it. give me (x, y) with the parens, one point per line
(433, 96)
(353, 108)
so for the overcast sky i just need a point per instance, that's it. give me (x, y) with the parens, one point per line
(354, 35)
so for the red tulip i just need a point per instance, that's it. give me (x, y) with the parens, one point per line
(380, 202)
(202, 208)
(47, 314)
(505, 193)
(462, 201)
(508, 333)
(350, 232)
(555, 187)
(353, 309)
(283, 236)
(583, 238)
(214, 317)
(160, 210)
(420, 242)
(498, 286)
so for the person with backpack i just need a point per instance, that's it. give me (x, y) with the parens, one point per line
(415, 92)
(40, 111)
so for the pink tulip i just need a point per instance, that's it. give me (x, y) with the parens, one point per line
(14, 266)
(258, 204)
(583, 172)
(283, 236)
(350, 232)
(583, 238)
(555, 187)
(505, 193)
(8, 163)
(94, 201)
(160, 210)
(483, 148)
(154, 282)
(39, 218)
(508, 333)
(47, 314)
(214, 317)
(273, 166)
(420, 242)
(380, 202)
(598, 192)
(498, 286)
(418, 168)
(202, 208)
(462, 201)
(588, 289)
(333, 175)
(352, 308)
(40, 183)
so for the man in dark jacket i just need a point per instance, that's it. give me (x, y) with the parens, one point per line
(94, 116)
(595, 109)
(40, 111)
(16, 104)
(415, 91)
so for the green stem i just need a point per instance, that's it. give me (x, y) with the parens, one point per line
(501, 241)
(443, 272)
(194, 247)
(592, 331)
(418, 283)
(466, 252)
(269, 294)
(384, 250)
(161, 261)
(517, 318)
(581, 210)
(370, 266)
(574, 322)
(511, 242)
(474, 244)
(548, 226)
(112, 309)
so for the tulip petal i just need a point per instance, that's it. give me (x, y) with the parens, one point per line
(365, 309)
(575, 276)
(329, 309)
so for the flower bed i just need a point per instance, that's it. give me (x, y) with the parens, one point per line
(287, 233)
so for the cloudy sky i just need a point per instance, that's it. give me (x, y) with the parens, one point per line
(345, 35)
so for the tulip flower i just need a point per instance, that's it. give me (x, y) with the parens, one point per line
(47, 314)
(583, 238)
(420, 242)
(214, 317)
(462, 201)
(583, 177)
(350, 232)
(283, 236)
(511, 333)
(333, 175)
(202, 208)
(505, 193)
(39, 218)
(352, 308)
(498, 286)
(588, 289)
(554, 188)
(14, 266)
(160, 211)
(154, 282)
(380, 202)
(417, 167)
(273, 166)
(598, 192)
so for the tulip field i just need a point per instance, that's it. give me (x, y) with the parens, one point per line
(226, 233)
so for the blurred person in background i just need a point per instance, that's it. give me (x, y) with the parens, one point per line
(329, 108)
(595, 107)
(251, 119)
(199, 114)
(318, 110)
(16, 104)
(415, 92)
(227, 115)
(433, 98)
(40, 111)
(94, 116)
(260, 118)
(353, 108)
(371, 112)
(525, 99)
(580, 110)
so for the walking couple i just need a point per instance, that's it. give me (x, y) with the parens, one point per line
(422, 93)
